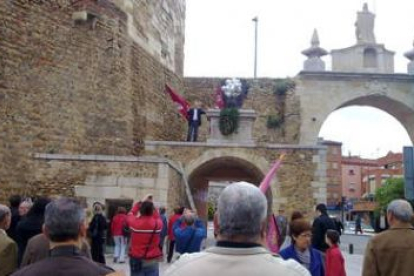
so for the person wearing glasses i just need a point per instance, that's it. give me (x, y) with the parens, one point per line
(301, 248)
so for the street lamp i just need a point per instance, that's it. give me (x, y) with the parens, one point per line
(256, 21)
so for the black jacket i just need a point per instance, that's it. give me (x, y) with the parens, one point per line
(320, 225)
(190, 114)
(27, 228)
(97, 227)
(15, 218)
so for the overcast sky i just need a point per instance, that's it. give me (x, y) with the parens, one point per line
(220, 43)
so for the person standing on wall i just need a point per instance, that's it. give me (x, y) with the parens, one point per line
(194, 121)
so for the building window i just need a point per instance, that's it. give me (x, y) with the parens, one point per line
(351, 172)
(370, 58)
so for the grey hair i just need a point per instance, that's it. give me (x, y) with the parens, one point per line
(189, 219)
(63, 218)
(242, 208)
(401, 210)
(4, 212)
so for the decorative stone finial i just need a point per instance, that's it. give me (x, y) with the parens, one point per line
(314, 54)
(410, 56)
(315, 39)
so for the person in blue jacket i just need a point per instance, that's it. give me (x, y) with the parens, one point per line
(189, 233)
(301, 248)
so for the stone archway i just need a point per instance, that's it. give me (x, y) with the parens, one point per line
(323, 93)
(222, 169)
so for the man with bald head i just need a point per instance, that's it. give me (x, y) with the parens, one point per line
(391, 252)
(240, 248)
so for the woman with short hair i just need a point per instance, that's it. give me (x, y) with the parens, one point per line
(301, 248)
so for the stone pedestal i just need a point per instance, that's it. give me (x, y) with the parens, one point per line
(244, 134)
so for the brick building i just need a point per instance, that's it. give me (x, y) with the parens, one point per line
(333, 173)
(388, 166)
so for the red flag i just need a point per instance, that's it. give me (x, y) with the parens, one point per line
(218, 98)
(181, 103)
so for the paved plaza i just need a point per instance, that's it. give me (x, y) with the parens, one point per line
(353, 261)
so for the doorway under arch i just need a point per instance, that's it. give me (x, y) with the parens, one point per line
(226, 170)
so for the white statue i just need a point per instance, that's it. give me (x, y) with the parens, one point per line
(364, 30)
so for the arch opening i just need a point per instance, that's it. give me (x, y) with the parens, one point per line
(210, 178)
(372, 130)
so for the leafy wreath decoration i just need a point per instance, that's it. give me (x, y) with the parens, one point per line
(274, 121)
(229, 121)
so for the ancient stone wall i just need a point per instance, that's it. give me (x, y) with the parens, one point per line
(83, 86)
(262, 99)
(300, 180)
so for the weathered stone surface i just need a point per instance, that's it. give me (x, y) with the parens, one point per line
(83, 88)
(261, 99)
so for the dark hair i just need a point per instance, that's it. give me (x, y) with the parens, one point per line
(296, 215)
(15, 200)
(179, 210)
(146, 208)
(162, 210)
(333, 236)
(63, 218)
(121, 210)
(39, 206)
(321, 207)
(298, 226)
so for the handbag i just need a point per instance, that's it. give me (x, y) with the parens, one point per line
(126, 232)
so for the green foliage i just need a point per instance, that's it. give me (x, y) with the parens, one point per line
(282, 86)
(392, 189)
(229, 121)
(274, 121)
(210, 211)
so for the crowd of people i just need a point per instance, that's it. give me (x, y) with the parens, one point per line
(55, 237)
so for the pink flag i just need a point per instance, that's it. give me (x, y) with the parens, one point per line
(273, 235)
(218, 98)
(264, 185)
(179, 100)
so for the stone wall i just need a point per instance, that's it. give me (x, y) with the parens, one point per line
(103, 177)
(262, 99)
(85, 86)
(301, 181)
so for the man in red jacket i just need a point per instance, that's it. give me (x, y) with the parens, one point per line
(171, 239)
(145, 226)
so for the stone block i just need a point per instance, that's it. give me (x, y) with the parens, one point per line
(101, 181)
